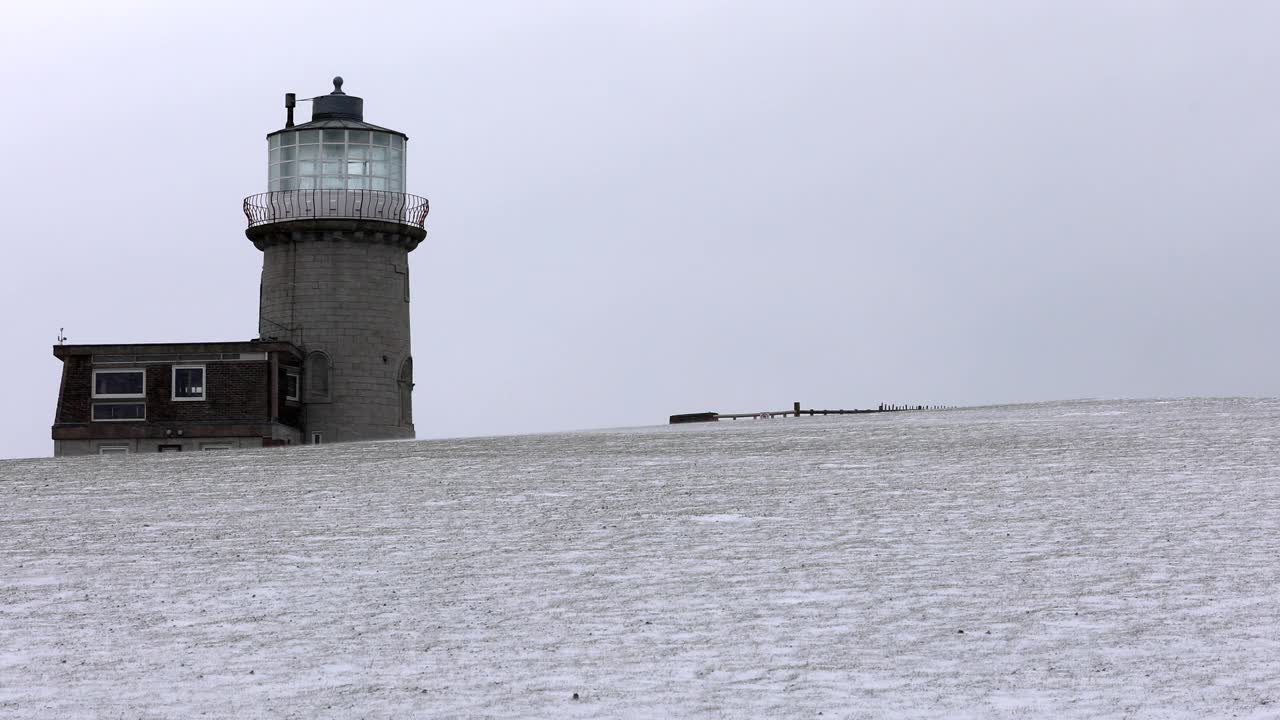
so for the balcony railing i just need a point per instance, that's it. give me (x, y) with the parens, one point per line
(285, 205)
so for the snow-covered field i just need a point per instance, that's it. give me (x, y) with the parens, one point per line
(1084, 559)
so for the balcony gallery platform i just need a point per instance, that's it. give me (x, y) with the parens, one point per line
(372, 215)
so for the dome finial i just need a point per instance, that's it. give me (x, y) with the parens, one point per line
(337, 105)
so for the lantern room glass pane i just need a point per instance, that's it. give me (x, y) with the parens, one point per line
(346, 160)
(273, 142)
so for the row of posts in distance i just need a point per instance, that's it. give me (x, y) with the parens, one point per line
(892, 408)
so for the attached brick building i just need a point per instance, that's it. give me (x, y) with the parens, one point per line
(332, 361)
(172, 397)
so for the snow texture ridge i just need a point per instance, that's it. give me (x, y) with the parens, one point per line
(1085, 559)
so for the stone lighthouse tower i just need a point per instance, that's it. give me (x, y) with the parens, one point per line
(335, 229)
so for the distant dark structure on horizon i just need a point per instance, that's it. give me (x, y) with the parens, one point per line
(796, 410)
(332, 361)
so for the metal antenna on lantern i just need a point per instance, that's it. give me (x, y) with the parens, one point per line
(291, 101)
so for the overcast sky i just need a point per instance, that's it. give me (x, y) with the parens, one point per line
(654, 207)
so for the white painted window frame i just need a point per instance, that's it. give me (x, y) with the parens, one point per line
(118, 396)
(297, 385)
(173, 383)
(113, 450)
(118, 402)
(216, 446)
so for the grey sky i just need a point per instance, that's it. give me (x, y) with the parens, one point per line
(658, 207)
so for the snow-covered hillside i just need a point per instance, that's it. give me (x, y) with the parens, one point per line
(1083, 559)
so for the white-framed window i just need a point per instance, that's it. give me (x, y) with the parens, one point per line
(113, 450)
(216, 446)
(110, 384)
(119, 411)
(188, 382)
(317, 438)
(292, 385)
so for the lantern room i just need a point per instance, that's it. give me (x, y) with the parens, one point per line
(334, 167)
(337, 150)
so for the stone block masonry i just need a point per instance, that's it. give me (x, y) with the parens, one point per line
(341, 294)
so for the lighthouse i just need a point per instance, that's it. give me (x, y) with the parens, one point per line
(335, 228)
(332, 360)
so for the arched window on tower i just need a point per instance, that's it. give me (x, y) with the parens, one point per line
(318, 376)
(406, 392)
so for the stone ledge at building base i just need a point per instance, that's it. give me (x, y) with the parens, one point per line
(267, 431)
(71, 439)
